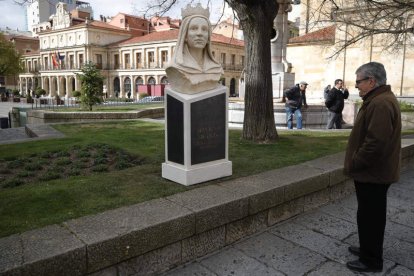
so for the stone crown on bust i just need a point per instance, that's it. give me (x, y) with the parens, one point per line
(197, 10)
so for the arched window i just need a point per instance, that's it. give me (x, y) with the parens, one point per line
(127, 87)
(117, 86)
(151, 81)
(164, 80)
(138, 81)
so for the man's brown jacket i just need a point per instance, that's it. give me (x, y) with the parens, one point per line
(373, 153)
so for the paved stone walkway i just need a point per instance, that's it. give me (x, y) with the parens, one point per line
(316, 242)
(11, 134)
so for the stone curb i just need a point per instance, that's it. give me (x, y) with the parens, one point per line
(154, 236)
(46, 117)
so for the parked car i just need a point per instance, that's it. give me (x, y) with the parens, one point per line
(152, 99)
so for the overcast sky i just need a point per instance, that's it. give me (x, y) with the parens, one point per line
(13, 15)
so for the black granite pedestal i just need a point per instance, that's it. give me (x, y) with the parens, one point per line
(196, 137)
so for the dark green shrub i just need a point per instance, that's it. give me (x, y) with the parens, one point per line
(122, 164)
(13, 182)
(83, 153)
(15, 164)
(5, 171)
(63, 161)
(79, 165)
(26, 174)
(50, 175)
(100, 160)
(33, 167)
(100, 168)
(62, 154)
(74, 171)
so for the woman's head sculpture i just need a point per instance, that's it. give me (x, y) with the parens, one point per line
(193, 68)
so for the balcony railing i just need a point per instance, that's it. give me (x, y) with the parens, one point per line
(233, 67)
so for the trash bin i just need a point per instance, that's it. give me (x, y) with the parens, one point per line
(4, 122)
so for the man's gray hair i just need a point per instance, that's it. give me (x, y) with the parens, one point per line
(373, 70)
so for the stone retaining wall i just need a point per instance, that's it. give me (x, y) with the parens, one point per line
(46, 117)
(159, 234)
(315, 116)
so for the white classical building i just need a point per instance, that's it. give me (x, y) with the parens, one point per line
(130, 63)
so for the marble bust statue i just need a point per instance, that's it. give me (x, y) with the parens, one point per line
(193, 68)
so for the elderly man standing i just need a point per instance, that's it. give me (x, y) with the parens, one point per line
(373, 161)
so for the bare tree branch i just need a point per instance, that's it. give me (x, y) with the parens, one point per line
(389, 20)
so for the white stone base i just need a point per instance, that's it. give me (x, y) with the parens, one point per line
(196, 174)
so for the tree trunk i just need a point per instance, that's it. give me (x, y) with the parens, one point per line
(256, 19)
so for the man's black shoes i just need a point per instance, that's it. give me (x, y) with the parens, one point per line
(361, 267)
(354, 250)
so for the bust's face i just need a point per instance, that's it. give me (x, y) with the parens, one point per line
(197, 35)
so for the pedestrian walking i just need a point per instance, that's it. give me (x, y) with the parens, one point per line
(295, 99)
(335, 104)
(373, 160)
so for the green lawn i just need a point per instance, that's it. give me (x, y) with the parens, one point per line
(43, 202)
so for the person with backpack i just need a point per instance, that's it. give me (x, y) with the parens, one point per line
(335, 104)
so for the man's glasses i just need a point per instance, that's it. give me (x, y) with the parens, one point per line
(357, 82)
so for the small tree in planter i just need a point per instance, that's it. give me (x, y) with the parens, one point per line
(92, 85)
(29, 99)
(40, 92)
(16, 95)
(77, 95)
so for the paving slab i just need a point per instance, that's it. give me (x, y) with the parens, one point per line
(282, 255)
(240, 264)
(330, 248)
(191, 269)
(326, 224)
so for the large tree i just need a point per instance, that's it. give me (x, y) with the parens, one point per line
(9, 58)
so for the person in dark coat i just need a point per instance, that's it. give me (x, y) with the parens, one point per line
(335, 104)
(295, 99)
(372, 159)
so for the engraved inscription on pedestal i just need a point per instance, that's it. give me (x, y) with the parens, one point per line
(175, 130)
(208, 129)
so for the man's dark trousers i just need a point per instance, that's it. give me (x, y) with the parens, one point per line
(371, 219)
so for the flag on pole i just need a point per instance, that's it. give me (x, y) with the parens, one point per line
(61, 58)
(54, 60)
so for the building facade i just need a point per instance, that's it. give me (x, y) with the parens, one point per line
(311, 54)
(130, 61)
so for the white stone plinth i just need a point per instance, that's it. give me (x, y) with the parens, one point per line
(196, 136)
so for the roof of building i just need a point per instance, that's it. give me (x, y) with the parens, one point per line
(91, 23)
(323, 35)
(172, 35)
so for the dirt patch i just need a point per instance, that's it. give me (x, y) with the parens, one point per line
(45, 166)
